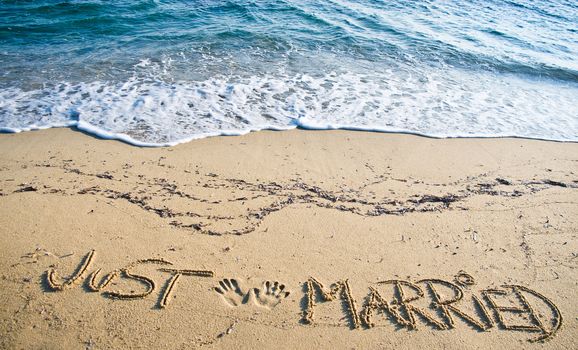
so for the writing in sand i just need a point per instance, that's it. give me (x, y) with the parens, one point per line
(401, 302)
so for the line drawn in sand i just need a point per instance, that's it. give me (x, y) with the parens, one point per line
(197, 203)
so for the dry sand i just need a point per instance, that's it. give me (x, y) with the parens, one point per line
(348, 209)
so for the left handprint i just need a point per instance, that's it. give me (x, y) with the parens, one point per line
(231, 292)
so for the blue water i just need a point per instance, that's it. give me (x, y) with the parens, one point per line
(162, 72)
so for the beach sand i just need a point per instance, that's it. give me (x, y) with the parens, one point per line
(369, 216)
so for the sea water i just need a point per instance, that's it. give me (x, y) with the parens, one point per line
(160, 72)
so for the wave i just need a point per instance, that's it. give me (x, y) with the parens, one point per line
(435, 103)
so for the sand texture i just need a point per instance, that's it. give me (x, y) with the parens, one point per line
(286, 240)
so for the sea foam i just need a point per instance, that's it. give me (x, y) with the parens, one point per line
(442, 103)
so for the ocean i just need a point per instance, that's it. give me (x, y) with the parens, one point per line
(161, 72)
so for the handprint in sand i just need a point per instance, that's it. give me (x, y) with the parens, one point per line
(271, 294)
(231, 292)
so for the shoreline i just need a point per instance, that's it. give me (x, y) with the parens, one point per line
(100, 134)
(236, 218)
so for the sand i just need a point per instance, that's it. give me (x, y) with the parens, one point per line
(296, 239)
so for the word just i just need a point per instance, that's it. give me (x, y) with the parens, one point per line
(402, 310)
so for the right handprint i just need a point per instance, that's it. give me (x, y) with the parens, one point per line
(271, 294)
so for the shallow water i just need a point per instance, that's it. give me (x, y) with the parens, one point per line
(163, 72)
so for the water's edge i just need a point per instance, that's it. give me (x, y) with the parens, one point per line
(100, 134)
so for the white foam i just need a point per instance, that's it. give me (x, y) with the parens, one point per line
(439, 103)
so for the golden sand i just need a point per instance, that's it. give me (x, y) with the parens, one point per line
(296, 239)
